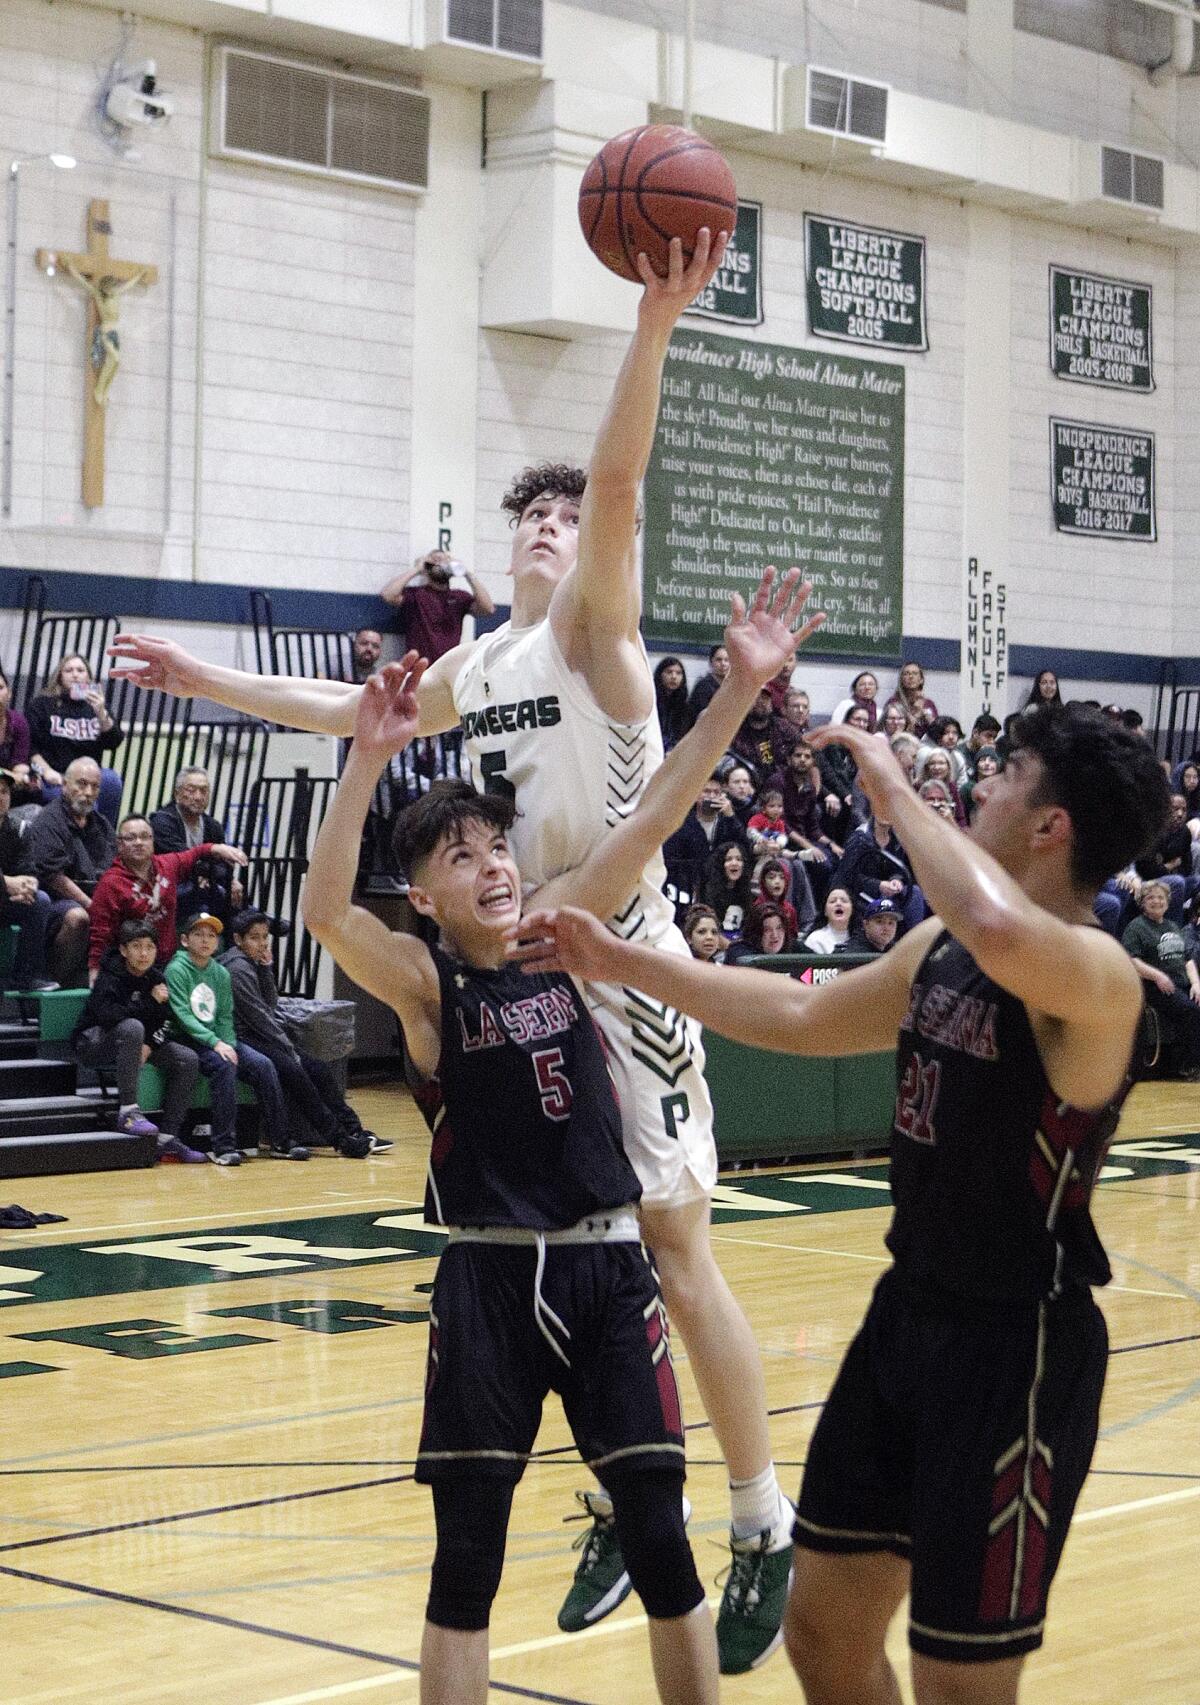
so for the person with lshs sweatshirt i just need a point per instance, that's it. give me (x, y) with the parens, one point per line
(201, 997)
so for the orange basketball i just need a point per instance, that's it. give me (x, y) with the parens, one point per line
(649, 185)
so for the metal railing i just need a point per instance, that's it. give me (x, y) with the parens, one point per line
(317, 653)
(281, 818)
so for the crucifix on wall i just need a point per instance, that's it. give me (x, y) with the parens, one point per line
(105, 280)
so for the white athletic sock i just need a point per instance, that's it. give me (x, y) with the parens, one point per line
(758, 1505)
(123, 1112)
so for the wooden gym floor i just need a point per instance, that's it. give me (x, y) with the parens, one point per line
(213, 1398)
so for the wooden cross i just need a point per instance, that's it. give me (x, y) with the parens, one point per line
(106, 281)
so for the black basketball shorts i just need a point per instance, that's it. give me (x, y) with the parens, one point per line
(962, 1444)
(590, 1325)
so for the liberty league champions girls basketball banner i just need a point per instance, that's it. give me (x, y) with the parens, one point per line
(864, 285)
(1100, 331)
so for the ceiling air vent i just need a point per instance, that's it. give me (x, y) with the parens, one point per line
(1133, 178)
(846, 106)
(284, 112)
(505, 26)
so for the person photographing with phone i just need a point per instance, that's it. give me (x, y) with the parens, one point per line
(432, 610)
(69, 719)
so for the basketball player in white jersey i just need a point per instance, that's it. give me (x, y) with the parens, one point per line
(558, 706)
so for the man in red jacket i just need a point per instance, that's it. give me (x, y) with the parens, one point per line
(141, 883)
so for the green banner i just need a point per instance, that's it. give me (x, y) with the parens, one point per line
(735, 292)
(769, 454)
(1103, 480)
(864, 285)
(1100, 331)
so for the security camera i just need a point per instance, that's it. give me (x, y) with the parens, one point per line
(137, 99)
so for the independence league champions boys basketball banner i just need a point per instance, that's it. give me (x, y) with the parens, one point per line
(1103, 480)
(1100, 331)
(864, 285)
(768, 454)
(735, 292)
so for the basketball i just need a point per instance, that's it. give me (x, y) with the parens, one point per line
(649, 185)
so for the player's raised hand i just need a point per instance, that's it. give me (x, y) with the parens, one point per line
(151, 662)
(667, 297)
(388, 711)
(761, 640)
(879, 773)
(566, 939)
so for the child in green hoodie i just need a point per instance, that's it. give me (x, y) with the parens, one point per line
(201, 997)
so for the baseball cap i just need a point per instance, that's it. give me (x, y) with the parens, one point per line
(197, 919)
(882, 908)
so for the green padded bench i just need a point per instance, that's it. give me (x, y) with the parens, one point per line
(58, 1013)
(768, 1106)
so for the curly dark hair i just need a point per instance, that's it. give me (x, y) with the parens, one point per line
(557, 478)
(442, 814)
(1107, 779)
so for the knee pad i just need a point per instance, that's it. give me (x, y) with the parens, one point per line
(649, 1514)
(472, 1526)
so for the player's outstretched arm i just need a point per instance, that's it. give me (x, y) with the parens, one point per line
(759, 643)
(859, 1012)
(393, 966)
(322, 707)
(1078, 975)
(604, 587)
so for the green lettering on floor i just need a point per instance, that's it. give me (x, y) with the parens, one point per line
(330, 1314)
(140, 1340)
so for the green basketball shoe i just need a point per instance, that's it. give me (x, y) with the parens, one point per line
(750, 1620)
(601, 1581)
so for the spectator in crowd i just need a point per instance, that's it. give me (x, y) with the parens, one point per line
(432, 611)
(767, 827)
(1134, 721)
(1044, 690)
(780, 685)
(875, 865)
(143, 884)
(864, 689)
(310, 1088)
(1169, 860)
(766, 931)
(773, 879)
(840, 771)
(793, 724)
(740, 785)
(936, 794)
(918, 710)
(757, 741)
(934, 764)
(201, 1000)
(671, 700)
(69, 719)
(811, 813)
(892, 722)
(702, 932)
(366, 650)
(705, 688)
(1160, 956)
(985, 731)
(1188, 783)
(987, 764)
(907, 749)
(712, 823)
(15, 749)
(210, 885)
(727, 888)
(125, 1024)
(878, 930)
(946, 732)
(22, 902)
(71, 846)
(835, 931)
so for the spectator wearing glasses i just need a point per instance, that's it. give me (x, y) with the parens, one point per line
(188, 823)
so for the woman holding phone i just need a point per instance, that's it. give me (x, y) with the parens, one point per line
(69, 719)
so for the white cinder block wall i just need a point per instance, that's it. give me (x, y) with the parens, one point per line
(262, 425)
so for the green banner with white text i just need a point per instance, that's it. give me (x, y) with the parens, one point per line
(767, 454)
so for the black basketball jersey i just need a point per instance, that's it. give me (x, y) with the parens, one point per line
(523, 1115)
(991, 1174)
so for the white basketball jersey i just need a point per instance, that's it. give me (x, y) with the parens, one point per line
(530, 725)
